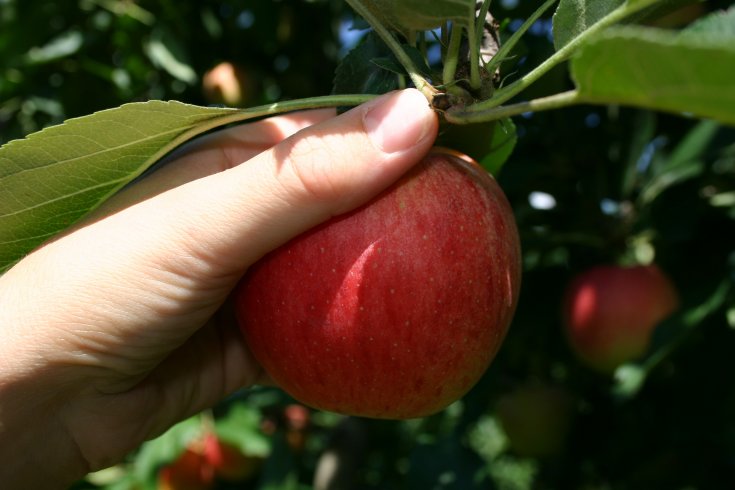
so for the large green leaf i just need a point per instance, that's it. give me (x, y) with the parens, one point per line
(573, 17)
(52, 178)
(659, 69)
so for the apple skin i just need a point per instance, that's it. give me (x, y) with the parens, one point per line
(396, 309)
(610, 312)
(536, 418)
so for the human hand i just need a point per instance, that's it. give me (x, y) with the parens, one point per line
(116, 330)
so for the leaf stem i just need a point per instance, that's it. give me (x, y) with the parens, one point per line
(301, 104)
(478, 34)
(474, 49)
(452, 55)
(419, 82)
(480, 22)
(557, 101)
(564, 53)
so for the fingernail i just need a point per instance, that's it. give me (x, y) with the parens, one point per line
(398, 121)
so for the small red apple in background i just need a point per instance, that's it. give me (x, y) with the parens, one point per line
(206, 459)
(228, 462)
(610, 312)
(190, 471)
(228, 83)
(536, 418)
(297, 418)
(396, 309)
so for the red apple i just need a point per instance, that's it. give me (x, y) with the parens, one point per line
(536, 419)
(396, 309)
(610, 313)
(190, 471)
(228, 462)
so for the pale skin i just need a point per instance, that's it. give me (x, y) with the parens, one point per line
(119, 328)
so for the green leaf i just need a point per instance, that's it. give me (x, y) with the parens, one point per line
(659, 69)
(358, 72)
(644, 131)
(685, 162)
(489, 143)
(716, 26)
(241, 427)
(54, 177)
(62, 46)
(503, 143)
(573, 17)
(693, 146)
(166, 52)
(392, 64)
(419, 15)
(164, 449)
(670, 178)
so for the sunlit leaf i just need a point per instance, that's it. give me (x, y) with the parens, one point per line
(691, 76)
(52, 178)
(573, 17)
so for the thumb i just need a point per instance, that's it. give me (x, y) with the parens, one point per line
(232, 218)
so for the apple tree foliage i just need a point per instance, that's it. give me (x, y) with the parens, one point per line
(609, 124)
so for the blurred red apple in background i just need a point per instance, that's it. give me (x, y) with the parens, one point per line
(229, 84)
(228, 462)
(297, 418)
(190, 471)
(610, 313)
(396, 309)
(536, 418)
